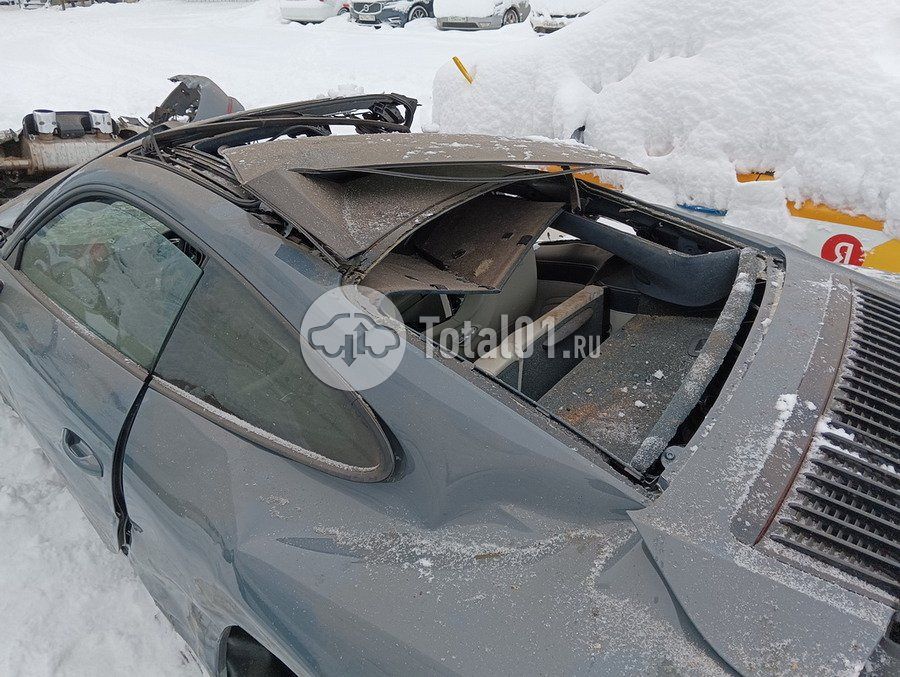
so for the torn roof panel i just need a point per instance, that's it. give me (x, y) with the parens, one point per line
(407, 273)
(384, 151)
(324, 185)
(350, 216)
(485, 239)
(472, 249)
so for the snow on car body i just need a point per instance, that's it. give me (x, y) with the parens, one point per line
(715, 467)
(551, 15)
(312, 11)
(474, 15)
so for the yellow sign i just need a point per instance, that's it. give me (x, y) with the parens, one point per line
(845, 236)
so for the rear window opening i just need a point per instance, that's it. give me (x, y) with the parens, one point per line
(618, 335)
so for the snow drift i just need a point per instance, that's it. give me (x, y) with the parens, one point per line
(698, 90)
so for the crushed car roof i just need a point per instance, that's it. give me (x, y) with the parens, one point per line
(350, 192)
(383, 151)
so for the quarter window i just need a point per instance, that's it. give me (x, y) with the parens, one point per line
(232, 352)
(115, 269)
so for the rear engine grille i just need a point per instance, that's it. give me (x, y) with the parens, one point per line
(845, 507)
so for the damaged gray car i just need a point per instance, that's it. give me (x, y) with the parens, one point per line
(686, 465)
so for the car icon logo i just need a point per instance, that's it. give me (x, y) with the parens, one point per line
(360, 335)
(354, 338)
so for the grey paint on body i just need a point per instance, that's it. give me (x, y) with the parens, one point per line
(498, 546)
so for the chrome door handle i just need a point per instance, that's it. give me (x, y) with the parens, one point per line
(80, 453)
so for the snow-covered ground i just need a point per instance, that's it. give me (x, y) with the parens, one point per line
(69, 607)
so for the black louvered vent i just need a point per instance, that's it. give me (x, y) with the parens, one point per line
(845, 509)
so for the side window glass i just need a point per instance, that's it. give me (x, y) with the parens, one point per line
(118, 271)
(231, 352)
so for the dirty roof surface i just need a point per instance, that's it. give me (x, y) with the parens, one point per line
(351, 215)
(324, 185)
(373, 151)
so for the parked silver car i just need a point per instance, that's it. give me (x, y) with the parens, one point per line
(551, 15)
(476, 15)
(312, 11)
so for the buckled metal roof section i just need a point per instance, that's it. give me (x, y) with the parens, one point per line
(335, 188)
(350, 216)
(406, 151)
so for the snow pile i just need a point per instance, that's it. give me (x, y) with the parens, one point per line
(696, 91)
(69, 606)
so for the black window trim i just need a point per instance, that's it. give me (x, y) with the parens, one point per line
(273, 443)
(54, 209)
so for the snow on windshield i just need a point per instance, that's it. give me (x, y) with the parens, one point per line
(696, 92)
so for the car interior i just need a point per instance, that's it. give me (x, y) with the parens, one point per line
(600, 327)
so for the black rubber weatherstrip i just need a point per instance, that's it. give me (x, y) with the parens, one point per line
(123, 530)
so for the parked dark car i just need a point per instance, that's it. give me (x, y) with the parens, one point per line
(391, 12)
(712, 488)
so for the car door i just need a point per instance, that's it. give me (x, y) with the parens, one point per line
(88, 297)
(231, 403)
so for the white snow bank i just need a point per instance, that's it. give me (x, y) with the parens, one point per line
(68, 606)
(695, 91)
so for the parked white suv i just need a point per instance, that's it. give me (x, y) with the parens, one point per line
(312, 11)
